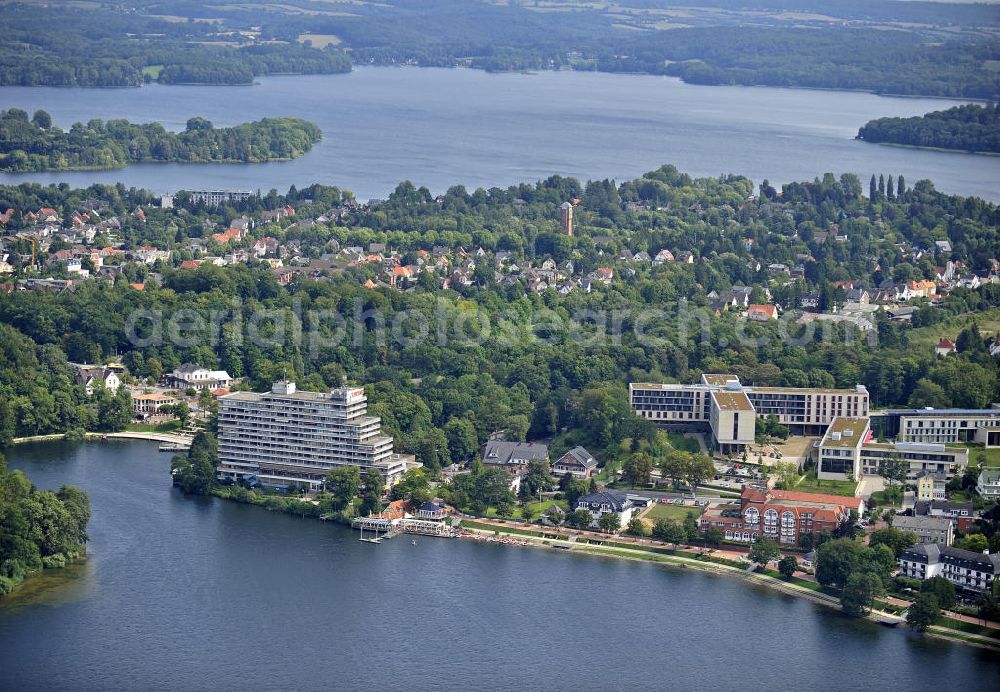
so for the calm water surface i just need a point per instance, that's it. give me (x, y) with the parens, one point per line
(440, 127)
(185, 593)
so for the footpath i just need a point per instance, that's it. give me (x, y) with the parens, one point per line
(706, 560)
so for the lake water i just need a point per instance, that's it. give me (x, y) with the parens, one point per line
(440, 127)
(189, 593)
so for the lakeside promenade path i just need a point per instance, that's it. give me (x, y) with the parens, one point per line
(569, 539)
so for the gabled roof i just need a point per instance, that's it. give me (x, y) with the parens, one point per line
(580, 456)
(499, 452)
(618, 501)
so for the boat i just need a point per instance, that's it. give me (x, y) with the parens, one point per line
(414, 541)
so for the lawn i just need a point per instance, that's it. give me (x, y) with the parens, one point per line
(925, 338)
(684, 444)
(153, 71)
(992, 455)
(670, 512)
(168, 426)
(810, 484)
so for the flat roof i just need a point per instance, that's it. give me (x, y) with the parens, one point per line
(846, 432)
(750, 389)
(718, 379)
(860, 389)
(939, 412)
(732, 401)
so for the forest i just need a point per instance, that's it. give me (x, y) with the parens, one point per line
(747, 43)
(38, 528)
(36, 145)
(442, 398)
(66, 46)
(970, 127)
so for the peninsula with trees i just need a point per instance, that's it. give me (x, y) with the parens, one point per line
(35, 144)
(39, 529)
(971, 127)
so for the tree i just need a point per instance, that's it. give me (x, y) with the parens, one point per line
(413, 486)
(894, 538)
(701, 467)
(372, 487)
(860, 592)
(637, 527)
(674, 466)
(837, 559)
(669, 532)
(196, 472)
(713, 536)
(787, 566)
(461, 439)
(610, 522)
(637, 469)
(527, 513)
(579, 519)
(690, 525)
(517, 427)
(492, 488)
(976, 542)
(787, 473)
(893, 468)
(42, 119)
(764, 551)
(343, 484)
(923, 612)
(942, 589)
(537, 479)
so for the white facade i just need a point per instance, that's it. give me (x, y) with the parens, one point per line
(285, 436)
(989, 484)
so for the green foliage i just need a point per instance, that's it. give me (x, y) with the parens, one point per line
(579, 519)
(637, 469)
(343, 483)
(610, 522)
(976, 542)
(969, 127)
(116, 143)
(860, 592)
(764, 551)
(196, 472)
(787, 566)
(838, 559)
(924, 612)
(942, 589)
(669, 532)
(896, 539)
(637, 527)
(38, 528)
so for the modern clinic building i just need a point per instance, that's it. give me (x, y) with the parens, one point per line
(289, 437)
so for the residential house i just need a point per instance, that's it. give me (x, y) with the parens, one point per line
(762, 313)
(663, 256)
(988, 485)
(430, 510)
(149, 404)
(194, 376)
(969, 571)
(577, 462)
(928, 529)
(610, 502)
(513, 456)
(931, 486)
(962, 514)
(90, 375)
(944, 347)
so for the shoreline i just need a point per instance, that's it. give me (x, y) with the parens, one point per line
(475, 528)
(102, 437)
(524, 538)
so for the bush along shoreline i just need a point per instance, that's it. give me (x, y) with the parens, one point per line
(39, 529)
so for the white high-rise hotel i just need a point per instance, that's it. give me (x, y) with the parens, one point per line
(285, 436)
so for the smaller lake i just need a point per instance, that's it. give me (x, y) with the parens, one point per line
(441, 127)
(195, 593)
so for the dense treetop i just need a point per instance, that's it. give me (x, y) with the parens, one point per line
(848, 46)
(444, 398)
(35, 145)
(969, 128)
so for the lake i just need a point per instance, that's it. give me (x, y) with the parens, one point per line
(197, 593)
(441, 127)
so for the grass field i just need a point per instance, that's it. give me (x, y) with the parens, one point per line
(169, 426)
(153, 71)
(927, 337)
(320, 40)
(684, 444)
(811, 484)
(670, 512)
(992, 456)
